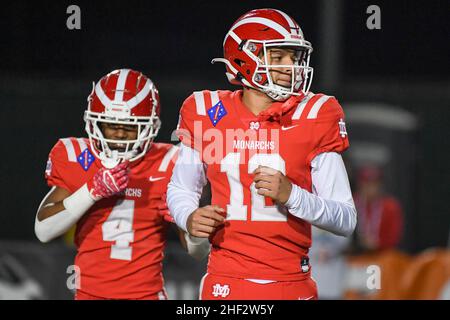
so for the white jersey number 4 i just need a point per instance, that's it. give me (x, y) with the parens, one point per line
(119, 228)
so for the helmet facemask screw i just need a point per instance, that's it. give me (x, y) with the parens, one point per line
(252, 47)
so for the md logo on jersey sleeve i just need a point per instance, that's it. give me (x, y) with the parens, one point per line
(85, 159)
(342, 128)
(217, 112)
(48, 168)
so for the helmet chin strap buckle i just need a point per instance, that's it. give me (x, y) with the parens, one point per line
(112, 161)
(278, 96)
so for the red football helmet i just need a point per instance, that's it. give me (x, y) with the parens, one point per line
(126, 97)
(245, 52)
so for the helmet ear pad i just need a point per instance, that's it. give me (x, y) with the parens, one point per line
(246, 59)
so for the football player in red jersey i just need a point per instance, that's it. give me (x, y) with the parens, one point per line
(112, 186)
(271, 152)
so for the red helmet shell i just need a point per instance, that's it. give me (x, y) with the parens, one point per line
(262, 25)
(125, 90)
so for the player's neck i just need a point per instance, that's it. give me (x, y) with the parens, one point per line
(256, 101)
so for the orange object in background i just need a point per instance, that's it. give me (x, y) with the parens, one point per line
(360, 270)
(425, 276)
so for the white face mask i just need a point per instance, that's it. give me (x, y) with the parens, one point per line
(300, 82)
(132, 150)
(301, 72)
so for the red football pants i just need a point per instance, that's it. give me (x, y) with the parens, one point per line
(162, 295)
(215, 287)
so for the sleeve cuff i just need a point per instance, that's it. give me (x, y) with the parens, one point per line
(294, 198)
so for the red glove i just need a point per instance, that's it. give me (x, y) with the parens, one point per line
(108, 182)
(164, 210)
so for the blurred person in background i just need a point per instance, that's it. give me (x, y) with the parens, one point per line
(327, 255)
(380, 215)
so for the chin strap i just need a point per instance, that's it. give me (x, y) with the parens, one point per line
(276, 95)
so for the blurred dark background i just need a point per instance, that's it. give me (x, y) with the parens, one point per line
(46, 74)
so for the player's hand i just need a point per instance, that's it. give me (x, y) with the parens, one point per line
(108, 182)
(165, 214)
(203, 222)
(272, 183)
(163, 210)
